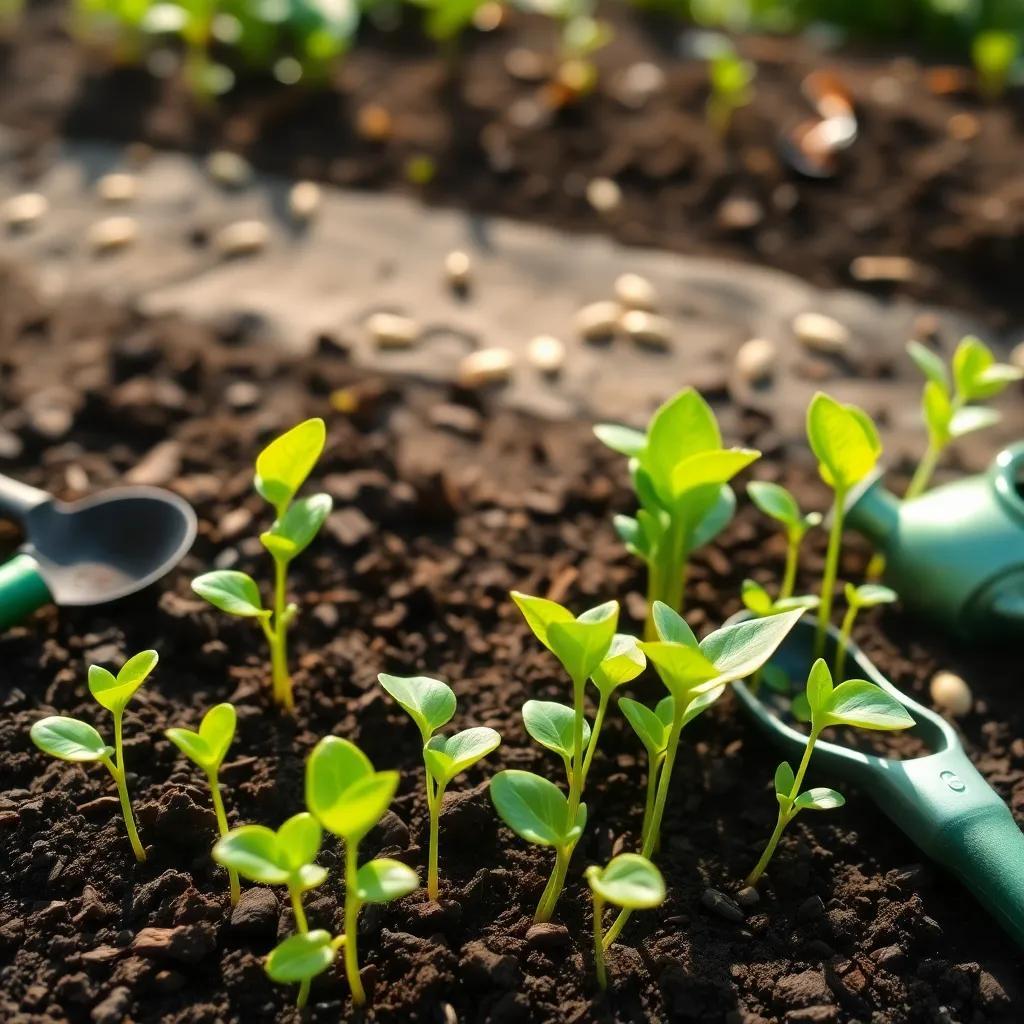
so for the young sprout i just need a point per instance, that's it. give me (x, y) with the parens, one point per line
(975, 377)
(206, 749)
(72, 740)
(430, 703)
(553, 726)
(348, 798)
(301, 957)
(628, 881)
(538, 811)
(731, 79)
(994, 54)
(856, 703)
(757, 600)
(653, 728)
(696, 674)
(285, 857)
(867, 595)
(777, 503)
(281, 469)
(846, 444)
(680, 473)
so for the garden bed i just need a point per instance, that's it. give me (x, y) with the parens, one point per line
(442, 506)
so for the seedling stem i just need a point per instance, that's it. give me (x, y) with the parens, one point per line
(355, 983)
(222, 828)
(116, 769)
(828, 583)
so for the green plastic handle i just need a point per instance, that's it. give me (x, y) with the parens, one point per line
(22, 590)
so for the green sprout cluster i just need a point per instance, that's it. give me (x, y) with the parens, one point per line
(732, 86)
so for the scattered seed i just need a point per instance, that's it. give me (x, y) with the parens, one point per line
(756, 359)
(1017, 355)
(951, 693)
(547, 353)
(374, 122)
(488, 16)
(604, 195)
(486, 366)
(720, 904)
(635, 292)
(820, 332)
(304, 200)
(883, 268)
(739, 213)
(647, 328)
(117, 187)
(24, 210)
(229, 169)
(391, 330)
(112, 233)
(598, 321)
(525, 64)
(635, 86)
(457, 267)
(449, 1014)
(748, 897)
(243, 238)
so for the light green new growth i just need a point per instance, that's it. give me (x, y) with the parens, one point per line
(206, 749)
(857, 703)
(654, 729)
(584, 645)
(948, 391)
(680, 474)
(628, 881)
(348, 798)
(731, 79)
(867, 595)
(285, 857)
(281, 469)
(430, 703)
(778, 504)
(695, 675)
(994, 53)
(846, 444)
(72, 740)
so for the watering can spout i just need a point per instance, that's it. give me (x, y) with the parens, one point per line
(874, 512)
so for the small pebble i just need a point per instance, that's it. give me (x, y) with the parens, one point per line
(391, 330)
(720, 904)
(304, 200)
(634, 86)
(525, 64)
(24, 210)
(756, 359)
(895, 269)
(748, 897)
(229, 169)
(739, 213)
(548, 935)
(598, 321)
(486, 366)
(117, 187)
(374, 122)
(112, 233)
(811, 909)
(457, 267)
(950, 693)
(635, 292)
(647, 328)
(243, 238)
(1017, 355)
(547, 353)
(820, 332)
(604, 195)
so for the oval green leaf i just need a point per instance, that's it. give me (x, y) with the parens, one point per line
(624, 440)
(775, 502)
(301, 957)
(429, 702)
(551, 724)
(231, 591)
(623, 663)
(582, 644)
(650, 729)
(294, 532)
(629, 881)
(819, 799)
(843, 439)
(383, 880)
(253, 851)
(671, 626)
(448, 756)
(679, 667)
(282, 467)
(866, 706)
(218, 730)
(298, 840)
(114, 692)
(819, 687)
(333, 767)
(360, 806)
(540, 614)
(742, 648)
(535, 809)
(69, 739)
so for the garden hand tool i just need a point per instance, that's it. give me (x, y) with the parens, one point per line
(89, 551)
(939, 800)
(955, 554)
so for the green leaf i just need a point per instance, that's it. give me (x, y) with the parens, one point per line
(231, 591)
(742, 648)
(784, 780)
(282, 467)
(970, 360)
(540, 614)
(628, 881)
(756, 598)
(581, 645)
(776, 679)
(819, 799)
(299, 840)
(804, 601)
(551, 725)
(114, 693)
(930, 364)
(681, 427)
(775, 501)
(869, 595)
(359, 807)
(383, 880)
(624, 440)
(448, 756)
(843, 439)
(971, 418)
(800, 708)
(650, 729)
(938, 414)
(69, 739)
(701, 703)
(711, 523)
(632, 535)
(665, 709)
(713, 467)
(680, 668)
(301, 957)
(253, 852)
(819, 687)
(535, 809)
(333, 771)
(429, 702)
(622, 664)
(208, 746)
(671, 626)
(866, 706)
(294, 531)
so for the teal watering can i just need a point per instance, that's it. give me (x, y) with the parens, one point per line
(955, 555)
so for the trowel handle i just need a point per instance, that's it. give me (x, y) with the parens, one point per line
(22, 590)
(18, 499)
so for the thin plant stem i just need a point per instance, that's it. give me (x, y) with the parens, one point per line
(122, 789)
(923, 474)
(222, 828)
(549, 898)
(302, 926)
(653, 764)
(792, 560)
(785, 816)
(599, 967)
(355, 983)
(279, 640)
(602, 709)
(435, 794)
(844, 641)
(828, 583)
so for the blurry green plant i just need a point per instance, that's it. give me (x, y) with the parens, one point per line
(994, 54)
(778, 504)
(732, 86)
(867, 595)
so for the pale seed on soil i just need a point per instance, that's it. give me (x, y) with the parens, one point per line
(243, 238)
(635, 292)
(112, 233)
(117, 187)
(756, 358)
(21, 211)
(1017, 355)
(229, 169)
(374, 123)
(486, 366)
(304, 200)
(951, 693)
(392, 330)
(457, 268)
(598, 320)
(647, 328)
(547, 353)
(821, 333)
(604, 195)
(897, 269)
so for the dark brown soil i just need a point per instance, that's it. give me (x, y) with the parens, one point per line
(433, 527)
(933, 176)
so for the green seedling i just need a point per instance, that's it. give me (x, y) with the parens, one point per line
(281, 469)
(653, 728)
(732, 86)
(285, 857)
(630, 882)
(206, 749)
(430, 703)
(681, 475)
(539, 812)
(857, 703)
(994, 54)
(974, 376)
(72, 740)
(758, 601)
(778, 504)
(696, 675)
(301, 957)
(348, 798)
(846, 444)
(867, 595)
